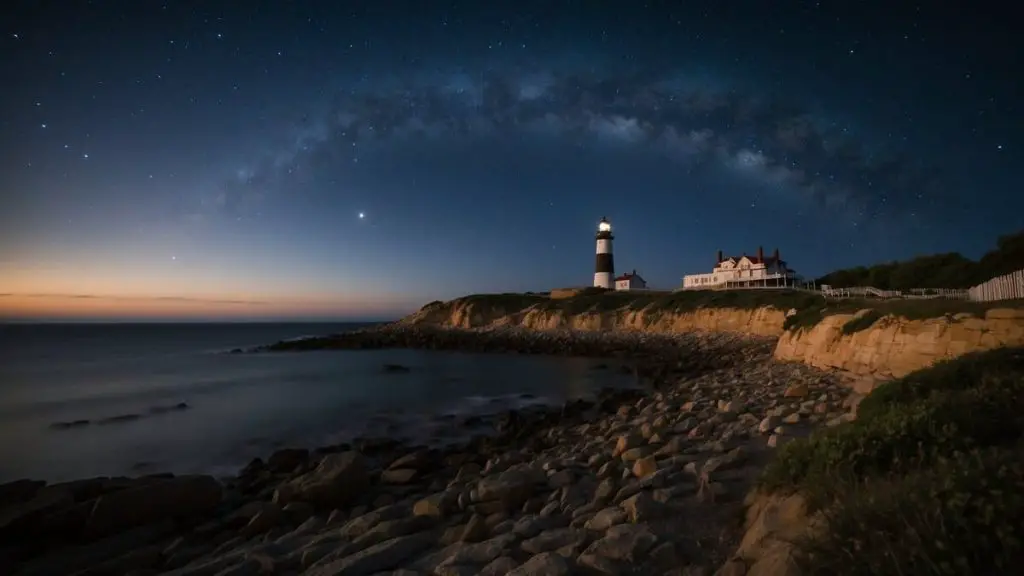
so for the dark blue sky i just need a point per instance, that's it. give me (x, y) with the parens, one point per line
(212, 159)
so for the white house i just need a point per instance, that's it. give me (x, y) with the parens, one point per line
(630, 281)
(744, 272)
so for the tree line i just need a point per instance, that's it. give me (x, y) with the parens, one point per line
(950, 270)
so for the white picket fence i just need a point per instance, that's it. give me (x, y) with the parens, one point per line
(914, 293)
(1008, 287)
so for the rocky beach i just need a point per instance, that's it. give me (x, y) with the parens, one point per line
(648, 481)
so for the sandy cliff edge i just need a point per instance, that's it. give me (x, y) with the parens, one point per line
(889, 347)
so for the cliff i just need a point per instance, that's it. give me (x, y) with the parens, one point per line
(892, 346)
(874, 339)
(745, 313)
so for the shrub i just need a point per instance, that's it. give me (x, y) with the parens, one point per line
(862, 322)
(900, 436)
(928, 480)
(960, 516)
(992, 369)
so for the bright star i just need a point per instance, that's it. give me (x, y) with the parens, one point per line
(362, 215)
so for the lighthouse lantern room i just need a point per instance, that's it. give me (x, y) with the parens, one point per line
(604, 271)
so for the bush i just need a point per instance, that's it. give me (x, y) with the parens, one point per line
(960, 516)
(999, 368)
(928, 480)
(862, 322)
(901, 438)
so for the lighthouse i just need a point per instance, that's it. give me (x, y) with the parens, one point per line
(604, 272)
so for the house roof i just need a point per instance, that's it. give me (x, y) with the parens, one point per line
(768, 260)
(629, 275)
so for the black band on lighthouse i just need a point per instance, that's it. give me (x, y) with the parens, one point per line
(605, 263)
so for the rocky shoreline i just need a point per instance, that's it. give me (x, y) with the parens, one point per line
(637, 482)
(653, 357)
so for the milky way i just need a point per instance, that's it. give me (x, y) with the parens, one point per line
(771, 137)
(223, 152)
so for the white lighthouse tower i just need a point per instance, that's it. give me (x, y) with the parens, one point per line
(604, 272)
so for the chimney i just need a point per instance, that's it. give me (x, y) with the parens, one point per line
(777, 254)
(760, 253)
(719, 255)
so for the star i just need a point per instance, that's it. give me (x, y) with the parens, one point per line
(362, 216)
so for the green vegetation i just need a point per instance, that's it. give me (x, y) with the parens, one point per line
(950, 270)
(863, 321)
(810, 307)
(600, 300)
(928, 480)
(916, 309)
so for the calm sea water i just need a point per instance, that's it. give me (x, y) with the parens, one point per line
(125, 380)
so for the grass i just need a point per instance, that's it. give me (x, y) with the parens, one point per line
(862, 321)
(599, 300)
(928, 480)
(915, 309)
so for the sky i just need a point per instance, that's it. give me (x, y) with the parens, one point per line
(355, 160)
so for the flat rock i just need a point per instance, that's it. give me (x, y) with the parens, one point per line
(544, 564)
(626, 542)
(338, 480)
(606, 518)
(554, 539)
(386, 555)
(180, 497)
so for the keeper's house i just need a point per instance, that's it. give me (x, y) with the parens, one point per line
(630, 281)
(744, 272)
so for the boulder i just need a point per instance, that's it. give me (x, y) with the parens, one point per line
(18, 491)
(544, 564)
(386, 555)
(398, 476)
(512, 488)
(336, 482)
(419, 460)
(287, 459)
(181, 497)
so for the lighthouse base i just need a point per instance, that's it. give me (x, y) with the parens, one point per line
(603, 280)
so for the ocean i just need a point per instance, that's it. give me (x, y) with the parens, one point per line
(82, 400)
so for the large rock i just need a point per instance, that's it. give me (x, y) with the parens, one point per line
(624, 542)
(337, 481)
(181, 497)
(512, 488)
(287, 459)
(386, 555)
(19, 491)
(545, 564)
(15, 518)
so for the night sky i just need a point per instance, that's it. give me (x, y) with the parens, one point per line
(329, 160)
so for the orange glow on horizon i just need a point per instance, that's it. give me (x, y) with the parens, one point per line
(75, 306)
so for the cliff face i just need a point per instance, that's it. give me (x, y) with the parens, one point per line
(764, 321)
(890, 347)
(893, 347)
